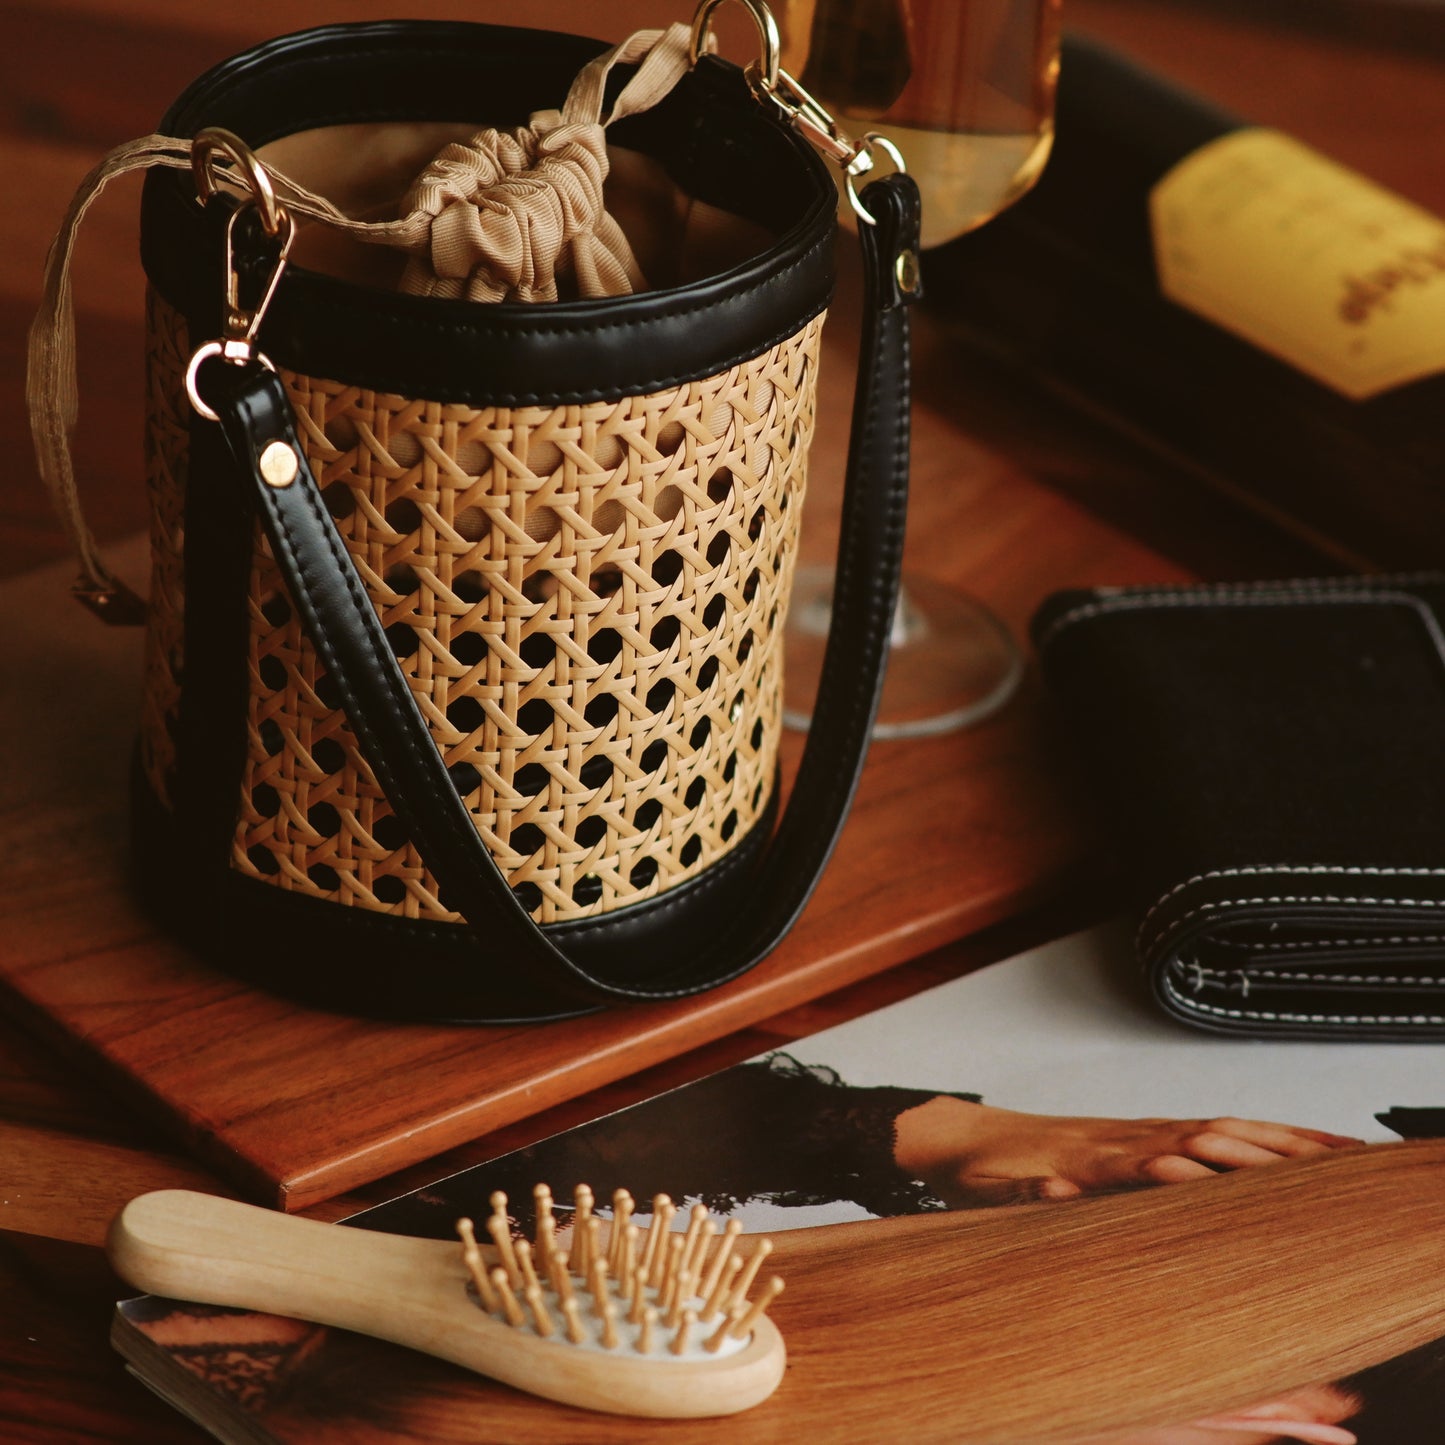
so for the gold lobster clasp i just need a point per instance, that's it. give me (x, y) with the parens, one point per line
(770, 82)
(240, 322)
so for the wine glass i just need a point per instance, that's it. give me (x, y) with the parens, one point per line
(965, 89)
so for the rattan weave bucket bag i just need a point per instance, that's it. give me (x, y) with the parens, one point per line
(463, 666)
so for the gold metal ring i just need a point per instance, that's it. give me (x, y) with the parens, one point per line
(213, 142)
(767, 32)
(873, 138)
(217, 351)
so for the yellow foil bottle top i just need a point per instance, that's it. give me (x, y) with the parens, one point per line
(1305, 259)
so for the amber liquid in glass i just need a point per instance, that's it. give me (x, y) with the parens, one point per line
(964, 88)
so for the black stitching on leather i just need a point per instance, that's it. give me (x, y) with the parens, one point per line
(576, 397)
(586, 327)
(753, 294)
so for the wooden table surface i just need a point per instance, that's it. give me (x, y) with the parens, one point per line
(77, 76)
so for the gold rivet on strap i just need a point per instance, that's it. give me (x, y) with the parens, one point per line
(279, 465)
(906, 271)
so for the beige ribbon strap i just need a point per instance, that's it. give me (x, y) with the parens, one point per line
(51, 393)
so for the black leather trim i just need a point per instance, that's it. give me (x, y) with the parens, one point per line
(710, 134)
(360, 962)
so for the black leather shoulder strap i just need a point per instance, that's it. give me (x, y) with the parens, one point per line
(345, 630)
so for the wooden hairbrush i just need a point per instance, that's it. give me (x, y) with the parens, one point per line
(656, 1324)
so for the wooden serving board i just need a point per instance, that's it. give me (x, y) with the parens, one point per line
(948, 836)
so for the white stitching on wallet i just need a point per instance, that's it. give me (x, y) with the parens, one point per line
(1201, 973)
(1250, 870)
(1268, 1016)
(1214, 906)
(1256, 594)
(1200, 976)
(1260, 945)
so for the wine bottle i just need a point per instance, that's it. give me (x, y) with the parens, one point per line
(1235, 299)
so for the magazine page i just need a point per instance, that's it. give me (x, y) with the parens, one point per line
(792, 1138)
(1044, 1080)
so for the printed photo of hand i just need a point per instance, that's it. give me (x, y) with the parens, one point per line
(974, 1155)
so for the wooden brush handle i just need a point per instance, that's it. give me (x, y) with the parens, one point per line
(413, 1292)
(200, 1247)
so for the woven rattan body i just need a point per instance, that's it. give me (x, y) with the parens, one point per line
(585, 599)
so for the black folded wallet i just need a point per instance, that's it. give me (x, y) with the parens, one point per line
(1273, 758)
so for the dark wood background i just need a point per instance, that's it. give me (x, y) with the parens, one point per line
(1362, 81)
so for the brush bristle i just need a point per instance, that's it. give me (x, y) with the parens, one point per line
(657, 1293)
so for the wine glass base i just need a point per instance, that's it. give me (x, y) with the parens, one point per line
(952, 663)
